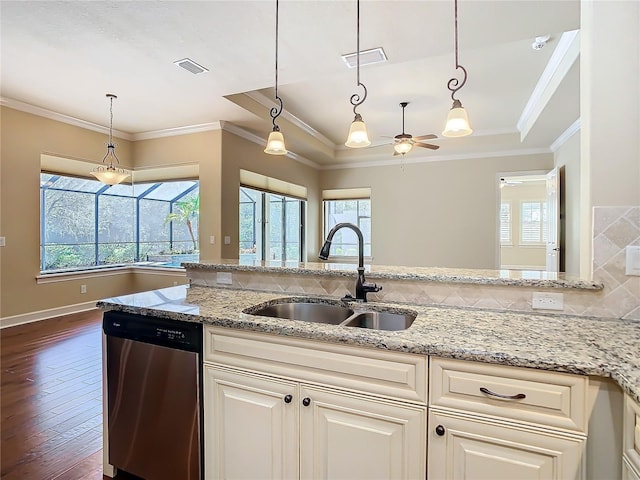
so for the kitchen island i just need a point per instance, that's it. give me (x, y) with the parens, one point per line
(571, 347)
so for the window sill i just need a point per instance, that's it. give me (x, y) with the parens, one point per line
(68, 275)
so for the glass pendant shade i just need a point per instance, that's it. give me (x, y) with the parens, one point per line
(457, 122)
(358, 136)
(275, 144)
(110, 175)
(402, 147)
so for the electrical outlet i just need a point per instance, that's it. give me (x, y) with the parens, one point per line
(212, 239)
(632, 260)
(83, 289)
(224, 278)
(547, 301)
(227, 240)
(2, 242)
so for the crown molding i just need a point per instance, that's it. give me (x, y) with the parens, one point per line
(436, 158)
(566, 135)
(564, 55)
(252, 137)
(305, 127)
(174, 132)
(59, 117)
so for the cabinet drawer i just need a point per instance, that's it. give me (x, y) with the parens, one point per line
(538, 397)
(631, 442)
(391, 374)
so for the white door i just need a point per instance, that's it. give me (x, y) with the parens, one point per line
(251, 426)
(464, 449)
(553, 221)
(344, 436)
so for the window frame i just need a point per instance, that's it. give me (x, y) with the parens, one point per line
(102, 192)
(326, 227)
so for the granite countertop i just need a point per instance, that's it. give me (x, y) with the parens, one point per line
(520, 278)
(563, 343)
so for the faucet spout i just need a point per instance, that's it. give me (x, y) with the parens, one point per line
(362, 287)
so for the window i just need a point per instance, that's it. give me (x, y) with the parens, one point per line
(271, 226)
(533, 222)
(505, 223)
(86, 223)
(356, 211)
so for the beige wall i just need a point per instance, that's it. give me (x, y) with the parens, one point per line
(204, 149)
(610, 111)
(440, 214)
(517, 256)
(237, 154)
(567, 158)
(24, 138)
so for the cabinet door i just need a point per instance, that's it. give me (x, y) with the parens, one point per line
(251, 426)
(349, 436)
(477, 449)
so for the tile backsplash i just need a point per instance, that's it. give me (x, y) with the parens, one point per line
(614, 229)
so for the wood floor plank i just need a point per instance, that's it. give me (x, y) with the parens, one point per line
(51, 415)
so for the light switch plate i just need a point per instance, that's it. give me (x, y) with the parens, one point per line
(227, 240)
(212, 239)
(2, 242)
(632, 260)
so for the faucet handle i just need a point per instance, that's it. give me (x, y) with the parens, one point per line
(372, 287)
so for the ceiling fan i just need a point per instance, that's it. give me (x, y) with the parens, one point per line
(404, 142)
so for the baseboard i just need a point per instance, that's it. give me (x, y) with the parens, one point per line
(44, 314)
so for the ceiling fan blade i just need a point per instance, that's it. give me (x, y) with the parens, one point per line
(425, 137)
(426, 145)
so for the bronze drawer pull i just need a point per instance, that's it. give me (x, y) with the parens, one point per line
(518, 396)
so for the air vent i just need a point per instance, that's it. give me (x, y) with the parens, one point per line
(367, 57)
(191, 66)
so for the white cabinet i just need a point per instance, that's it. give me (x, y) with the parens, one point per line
(499, 422)
(463, 448)
(350, 436)
(631, 439)
(251, 426)
(262, 425)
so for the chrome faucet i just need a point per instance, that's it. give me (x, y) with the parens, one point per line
(362, 287)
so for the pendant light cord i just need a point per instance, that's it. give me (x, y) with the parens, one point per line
(111, 122)
(276, 111)
(356, 100)
(454, 84)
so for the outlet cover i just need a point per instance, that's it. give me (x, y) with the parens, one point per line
(632, 260)
(2, 242)
(83, 289)
(547, 301)
(224, 278)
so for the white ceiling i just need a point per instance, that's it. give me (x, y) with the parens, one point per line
(65, 56)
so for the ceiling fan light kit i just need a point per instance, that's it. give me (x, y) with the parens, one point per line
(404, 142)
(275, 142)
(457, 121)
(109, 173)
(358, 136)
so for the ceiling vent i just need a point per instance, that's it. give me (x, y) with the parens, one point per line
(367, 57)
(191, 66)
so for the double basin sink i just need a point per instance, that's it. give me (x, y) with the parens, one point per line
(336, 313)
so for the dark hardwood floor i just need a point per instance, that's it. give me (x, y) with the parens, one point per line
(51, 399)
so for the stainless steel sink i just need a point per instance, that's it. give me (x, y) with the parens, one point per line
(306, 312)
(381, 320)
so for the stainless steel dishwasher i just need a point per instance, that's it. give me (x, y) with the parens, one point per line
(153, 391)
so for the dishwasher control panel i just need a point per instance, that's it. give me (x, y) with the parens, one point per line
(158, 331)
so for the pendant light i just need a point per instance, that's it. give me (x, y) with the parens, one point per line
(358, 136)
(275, 142)
(108, 172)
(457, 120)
